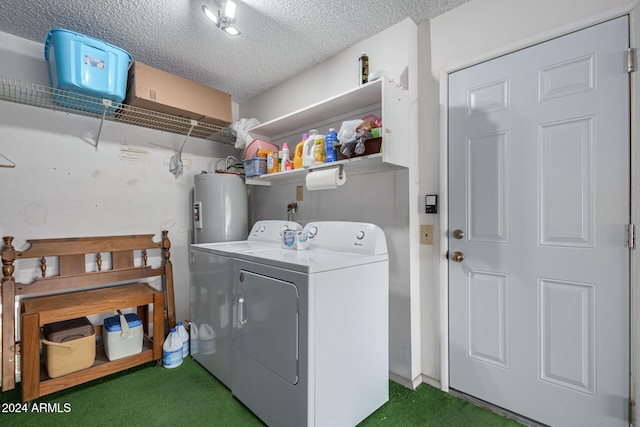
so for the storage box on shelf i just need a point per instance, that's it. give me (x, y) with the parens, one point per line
(86, 66)
(68, 346)
(122, 336)
(384, 95)
(255, 166)
(58, 306)
(371, 146)
(158, 90)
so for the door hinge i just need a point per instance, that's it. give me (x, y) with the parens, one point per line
(631, 60)
(631, 236)
(632, 404)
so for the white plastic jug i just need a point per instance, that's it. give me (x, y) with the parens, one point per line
(172, 350)
(193, 332)
(207, 336)
(184, 336)
(308, 158)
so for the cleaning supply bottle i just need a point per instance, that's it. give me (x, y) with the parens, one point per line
(193, 338)
(273, 165)
(184, 336)
(329, 143)
(286, 159)
(297, 156)
(319, 153)
(307, 152)
(172, 350)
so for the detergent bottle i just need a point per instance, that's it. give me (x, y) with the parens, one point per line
(184, 336)
(297, 156)
(172, 350)
(319, 153)
(307, 151)
(330, 140)
(287, 163)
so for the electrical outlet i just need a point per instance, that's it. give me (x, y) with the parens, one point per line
(299, 193)
(426, 234)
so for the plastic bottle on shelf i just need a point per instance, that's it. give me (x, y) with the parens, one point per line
(172, 350)
(287, 164)
(329, 142)
(307, 152)
(297, 156)
(319, 153)
(193, 338)
(270, 162)
(184, 336)
(363, 68)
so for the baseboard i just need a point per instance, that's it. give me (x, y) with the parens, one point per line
(431, 381)
(412, 384)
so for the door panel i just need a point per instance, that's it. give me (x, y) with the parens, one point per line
(267, 329)
(539, 184)
(211, 279)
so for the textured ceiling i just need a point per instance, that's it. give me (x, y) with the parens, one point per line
(279, 38)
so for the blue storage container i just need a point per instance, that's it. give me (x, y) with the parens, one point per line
(112, 324)
(85, 66)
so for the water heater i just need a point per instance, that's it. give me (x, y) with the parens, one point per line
(220, 208)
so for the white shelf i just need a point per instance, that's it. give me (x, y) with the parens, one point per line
(383, 94)
(38, 95)
(354, 166)
(339, 105)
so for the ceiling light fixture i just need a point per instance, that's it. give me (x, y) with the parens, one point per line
(225, 19)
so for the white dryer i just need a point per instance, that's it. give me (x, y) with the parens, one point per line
(211, 302)
(310, 333)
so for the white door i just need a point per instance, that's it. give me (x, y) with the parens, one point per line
(539, 191)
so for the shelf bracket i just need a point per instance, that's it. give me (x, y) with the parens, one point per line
(11, 163)
(175, 163)
(106, 103)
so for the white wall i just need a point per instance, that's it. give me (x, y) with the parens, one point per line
(476, 31)
(63, 187)
(384, 198)
(391, 51)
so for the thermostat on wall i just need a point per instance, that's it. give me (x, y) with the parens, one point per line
(431, 203)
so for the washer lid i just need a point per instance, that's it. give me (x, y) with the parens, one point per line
(230, 248)
(263, 234)
(309, 261)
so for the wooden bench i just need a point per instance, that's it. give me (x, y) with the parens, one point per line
(90, 296)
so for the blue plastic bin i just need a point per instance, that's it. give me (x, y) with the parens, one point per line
(255, 166)
(85, 66)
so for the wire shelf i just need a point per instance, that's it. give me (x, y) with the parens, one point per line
(37, 95)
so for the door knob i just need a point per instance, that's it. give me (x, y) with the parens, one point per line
(458, 234)
(457, 256)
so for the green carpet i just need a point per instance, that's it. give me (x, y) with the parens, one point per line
(189, 396)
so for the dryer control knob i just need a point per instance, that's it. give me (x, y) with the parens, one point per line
(312, 232)
(360, 235)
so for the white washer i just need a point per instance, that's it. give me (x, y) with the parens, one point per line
(211, 302)
(310, 334)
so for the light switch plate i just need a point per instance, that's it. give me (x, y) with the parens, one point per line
(299, 193)
(426, 234)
